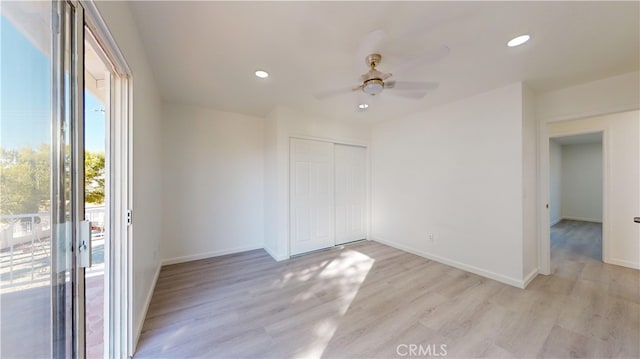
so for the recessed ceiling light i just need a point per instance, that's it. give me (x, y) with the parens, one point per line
(262, 74)
(363, 106)
(519, 40)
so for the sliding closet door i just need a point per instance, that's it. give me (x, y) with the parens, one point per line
(312, 195)
(350, 194)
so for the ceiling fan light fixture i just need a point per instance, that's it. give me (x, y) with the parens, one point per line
(373, 87)
(262, 74)
(518, 40)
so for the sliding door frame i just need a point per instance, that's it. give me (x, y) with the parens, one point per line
(119, 332)
(78, 173)
(67, 184)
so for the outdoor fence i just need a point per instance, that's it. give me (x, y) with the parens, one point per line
(25, 247)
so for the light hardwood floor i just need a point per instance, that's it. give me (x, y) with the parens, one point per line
(365, 299)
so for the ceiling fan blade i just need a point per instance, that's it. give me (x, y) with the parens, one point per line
(416, 95)
(330, 93)
(427, 57)
(386, 76)
(369, 45)
(411, 85)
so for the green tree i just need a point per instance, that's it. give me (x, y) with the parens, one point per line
(94, 177)
(24, 180)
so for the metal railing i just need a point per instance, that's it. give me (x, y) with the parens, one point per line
(25, 247)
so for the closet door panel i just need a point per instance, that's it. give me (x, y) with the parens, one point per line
(350, 193)
(312, 195)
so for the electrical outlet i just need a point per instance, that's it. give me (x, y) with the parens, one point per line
(431, 237)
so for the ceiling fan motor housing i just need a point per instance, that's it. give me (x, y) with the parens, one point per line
(373, 86)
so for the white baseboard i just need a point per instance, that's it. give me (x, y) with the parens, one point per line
(465, 267)
(195, 257)
(529, 277)
(570, 218)
(277, 258)
(146, 308)
(623, 263)
(556, 221)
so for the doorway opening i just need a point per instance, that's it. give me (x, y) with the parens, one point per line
(97, 208)
(576, 183)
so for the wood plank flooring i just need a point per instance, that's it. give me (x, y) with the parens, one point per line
(366, 299)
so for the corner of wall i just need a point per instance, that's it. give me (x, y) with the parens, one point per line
(530, 164)
(529, 277)
(145, 309)
(278, 257)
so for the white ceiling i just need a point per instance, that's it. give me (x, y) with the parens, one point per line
(205, 53)
(579, 139)
(94, 72)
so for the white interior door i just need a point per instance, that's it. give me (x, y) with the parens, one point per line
(312, 196)
(351, 196)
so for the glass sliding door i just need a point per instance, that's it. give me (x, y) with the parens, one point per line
(28, 264)
(41, 180)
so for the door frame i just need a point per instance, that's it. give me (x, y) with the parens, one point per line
(67, 188)
(119, 334)
(544, 229)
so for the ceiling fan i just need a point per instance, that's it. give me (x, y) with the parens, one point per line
(375, 81)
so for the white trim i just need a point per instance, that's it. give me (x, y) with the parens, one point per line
(529, 277)
(544, 197)
(554, 222)
(121, 170)
(570, 218)
(519, 283)
(274, 256)
(146, 309)
(127, 128)
(195, 257)
(330, 140)
(99, 27)
(544, 225)
(623, 263)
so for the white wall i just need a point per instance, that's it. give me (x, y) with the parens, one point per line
(622, 199)
(213, 187)
(282, 124)
(582, 182)
(555, 182)
(147, 159)
(610, 95)
(606, 96)
(455, 171)
(271, 206)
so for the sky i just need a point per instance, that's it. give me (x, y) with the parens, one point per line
(25, 96)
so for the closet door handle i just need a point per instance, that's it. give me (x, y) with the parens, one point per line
(636, 219)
